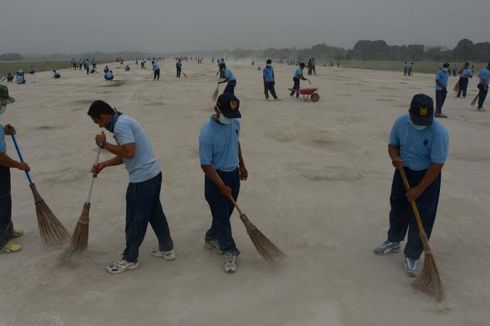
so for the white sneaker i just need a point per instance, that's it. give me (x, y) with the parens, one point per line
(410, 267)
(167, 255)
(121, 266)
(230, 262)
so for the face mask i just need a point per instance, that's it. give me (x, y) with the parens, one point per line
(224, 120)
(3, 108)
(417, 127)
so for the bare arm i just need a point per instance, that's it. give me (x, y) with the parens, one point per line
(212, 175)
(7, 161)
(429, 177)
(242, 168)
(394, 153)
(126, 151)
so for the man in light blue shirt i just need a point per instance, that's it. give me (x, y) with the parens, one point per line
(156, 69)
(418, 145)
(109, 75)
(133, 149)
(178, 66)
(464, 79)
(298, 75)
(229, 78)
(442, 78)
(222, 163)
(269, 80)
(7, 231)
(483, 86)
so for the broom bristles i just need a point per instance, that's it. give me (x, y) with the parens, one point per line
(266, 248)
(215, 94)
(79, 240)
(474, 100)
(429, 280)
(52, 232)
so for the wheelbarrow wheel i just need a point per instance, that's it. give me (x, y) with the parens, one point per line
(315, 97)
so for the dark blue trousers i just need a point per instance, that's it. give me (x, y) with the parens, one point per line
(230, 87)
(295, 87)
(440, 99)
(270, 87)
(142, 206)
(221, 210)
(401, 214)
(156, 74)
(463, 86)
(6, 227)
(482, 95)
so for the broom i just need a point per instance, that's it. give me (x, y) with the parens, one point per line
(474, 100)
(79, 239)
(264, 246)
(215, 93)
(428, 280)
(456, 87)
(51, 230)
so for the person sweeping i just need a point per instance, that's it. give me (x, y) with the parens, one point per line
(483, 86)
(269, 80)
(133, 148)
(223, 166)
(418, 145)
(7, 231)
(229, 78)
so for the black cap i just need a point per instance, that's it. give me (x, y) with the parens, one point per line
(422, 110)
(445, 65)
(229, 104)
(269, 61)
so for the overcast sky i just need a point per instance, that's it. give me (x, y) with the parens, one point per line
(67, 26)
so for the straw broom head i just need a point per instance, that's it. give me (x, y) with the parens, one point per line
(429, 280)
(215, 94)
(79, 239)
(266, 248)
(474, 100)
(52, 231)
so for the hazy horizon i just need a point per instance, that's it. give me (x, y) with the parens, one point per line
(67, 26)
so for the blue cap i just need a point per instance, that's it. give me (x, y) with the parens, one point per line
(422, 110)
(229, 104)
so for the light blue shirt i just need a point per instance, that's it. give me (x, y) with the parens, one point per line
(268, 74)
(3, 145)
(218, 145)
(143, 166)
(109, 75)
(466, 73)
(298, 73)
(442, 77)
(156, 66)
(420, 148)
(228, 74)
(484, 76)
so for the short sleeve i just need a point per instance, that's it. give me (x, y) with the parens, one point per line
(205, 150)
(439, 149)
(237, 125)
(124, 133)
(394, 134)
(3, 146)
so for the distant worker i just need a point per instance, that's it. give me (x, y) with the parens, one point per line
(483, 87)
(19, 77)
(56, 75)
(156, 70)
(109, 75)
(127, 68)
(298, 75)
(442, 78)
(464, 79)
(269, 80)
(178, 67)
(229, 78)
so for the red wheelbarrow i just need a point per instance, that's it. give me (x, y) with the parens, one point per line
(308, 93)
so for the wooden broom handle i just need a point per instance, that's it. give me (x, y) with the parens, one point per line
(89, 196)
(415, 209)
(236, 206)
